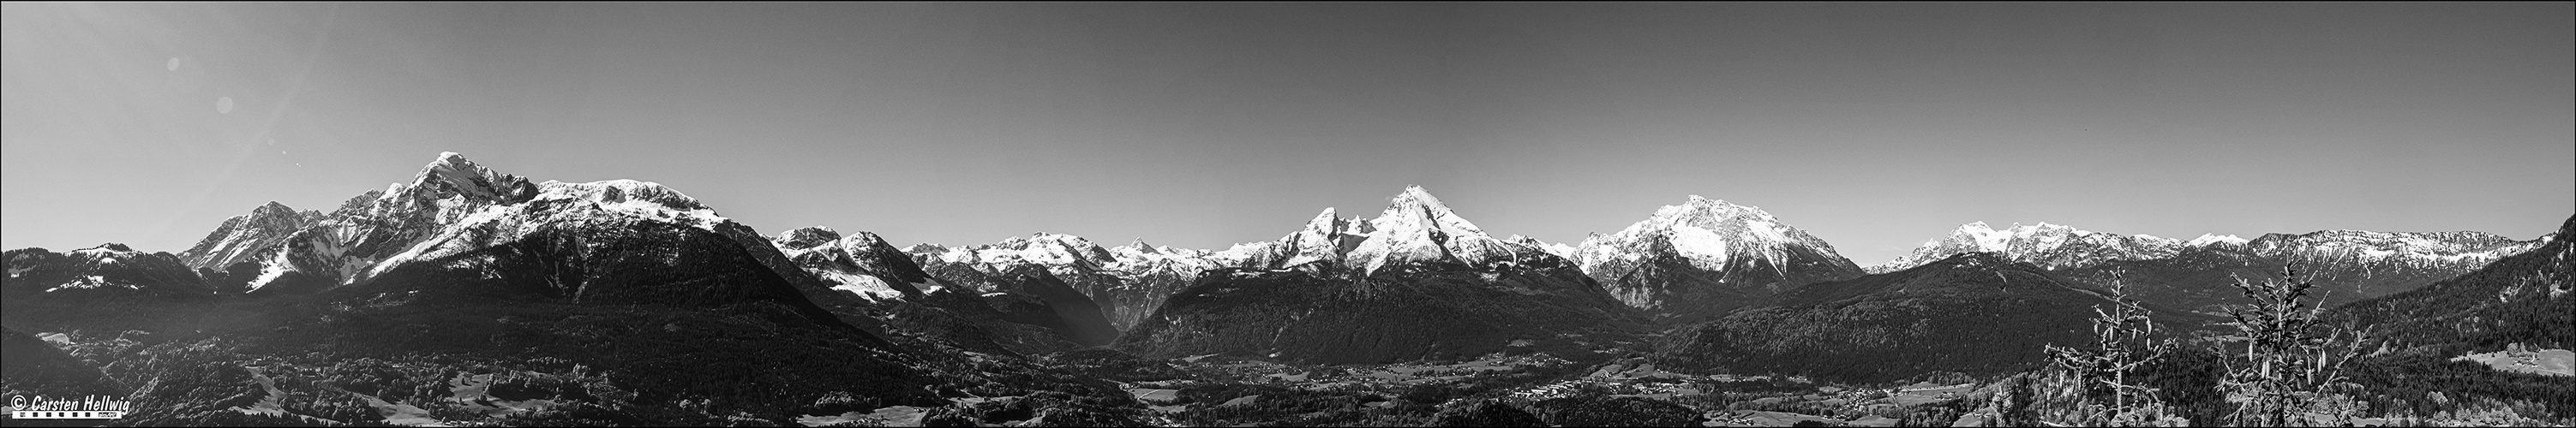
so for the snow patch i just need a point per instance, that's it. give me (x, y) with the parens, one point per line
(1700, 245)
(268, 272)
(866, 286)
(84, 282)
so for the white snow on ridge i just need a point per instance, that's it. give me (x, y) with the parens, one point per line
(1711, 234)
(1986, 237)
(1560, 250)
(455, 205)
(2050, 245)
(639, 198)
(1048, 249)
(1139, 258)
(2060, 247)
(87, 282)
(277, 266)
(1415, 227)
(2209, 239)
(959, 255)
(445, 241)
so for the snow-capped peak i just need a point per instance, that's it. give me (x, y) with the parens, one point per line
(1324, 223)
(806, 237)
(1559, 249)
(2208, 239)
(104, 250)
(1977, 233)
(1703, 210)
(1416, 227)
(1714, 214)
(242, 237)
(1046, 249)
(1140, 246)
(861, 264)
(272, 209)
(866, 239)
(451, 174)
(1711, 233)
(1416, 210)
(1989, 239)
(638, 198)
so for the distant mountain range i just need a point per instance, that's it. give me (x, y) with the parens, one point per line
(2347, 265)
(2527, 298)
(1704, 258)
(462, 266)
(466, 270)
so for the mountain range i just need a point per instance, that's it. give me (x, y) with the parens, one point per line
(1416, 282)
(2347, 265)
(463, 269)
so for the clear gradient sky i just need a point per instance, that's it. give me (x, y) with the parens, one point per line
(1873, 126)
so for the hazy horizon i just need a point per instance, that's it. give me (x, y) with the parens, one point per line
(1873, 126)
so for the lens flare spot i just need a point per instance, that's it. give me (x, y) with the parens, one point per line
(224, 105)
(174, 64)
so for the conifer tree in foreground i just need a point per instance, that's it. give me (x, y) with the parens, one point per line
(2123, 343)
(2290, 372)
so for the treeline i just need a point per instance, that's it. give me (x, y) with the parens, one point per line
(1875, 340)
(2288, 364)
